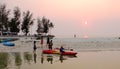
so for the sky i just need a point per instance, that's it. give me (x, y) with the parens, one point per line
(85, 18)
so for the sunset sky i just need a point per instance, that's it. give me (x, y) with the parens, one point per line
(87, 18)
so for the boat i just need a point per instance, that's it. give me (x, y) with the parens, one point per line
(58, 52)
(51, 52)
(8, 44)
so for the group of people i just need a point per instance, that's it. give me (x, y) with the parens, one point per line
(49, 45)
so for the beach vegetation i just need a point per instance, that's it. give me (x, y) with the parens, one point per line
(15, 21)
(27, 21)
(40, 26)
(4, 18)
(44, 25)
(13, 24)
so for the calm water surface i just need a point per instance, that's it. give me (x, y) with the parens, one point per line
(91, 52)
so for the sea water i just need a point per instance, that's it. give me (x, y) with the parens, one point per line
(88, 44)
(94, 50)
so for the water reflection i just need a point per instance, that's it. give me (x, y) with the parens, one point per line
(42, 58)
(17, 59)
(35, 56)
(4, 60)
(27, 57)
(54, 58)
(50, 58)
(61, 58)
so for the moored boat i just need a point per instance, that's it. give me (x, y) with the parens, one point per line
(8, 44)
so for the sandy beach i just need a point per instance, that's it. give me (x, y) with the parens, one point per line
(92, 54)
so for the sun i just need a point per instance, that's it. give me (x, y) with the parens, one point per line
(86, 22)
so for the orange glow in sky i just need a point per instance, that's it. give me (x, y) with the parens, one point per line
(86, 22)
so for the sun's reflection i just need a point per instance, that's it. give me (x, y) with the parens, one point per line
(85, 36)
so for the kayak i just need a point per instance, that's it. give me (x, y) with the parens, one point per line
(8, 44)
(51, 52)
(69, 53)
(58, 52)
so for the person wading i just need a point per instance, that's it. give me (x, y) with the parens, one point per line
(34, 47)
(50, 45)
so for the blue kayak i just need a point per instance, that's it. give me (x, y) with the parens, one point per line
(8, 44)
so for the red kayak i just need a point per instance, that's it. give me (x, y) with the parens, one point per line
(58, 52)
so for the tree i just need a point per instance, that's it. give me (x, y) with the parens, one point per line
(44, 25)
(15, 21)
(4, 20)
(27, 21)
(45, 22)
(40, 26)
(50, 27)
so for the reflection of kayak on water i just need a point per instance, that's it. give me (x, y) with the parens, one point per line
(58, 52)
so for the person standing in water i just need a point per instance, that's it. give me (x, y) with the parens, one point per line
(48, 41)
(41, 42)
(50, 45)
(34, 47)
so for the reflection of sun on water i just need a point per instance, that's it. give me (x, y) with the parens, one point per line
(85, 36)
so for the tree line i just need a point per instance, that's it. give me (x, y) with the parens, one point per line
(21, 21)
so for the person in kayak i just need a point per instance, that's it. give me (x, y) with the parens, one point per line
(62, 49)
